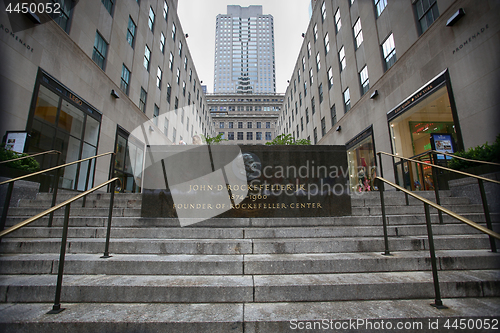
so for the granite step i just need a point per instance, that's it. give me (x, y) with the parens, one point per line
(414, 209)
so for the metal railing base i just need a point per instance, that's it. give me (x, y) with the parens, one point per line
(440, 306)
(106, 256)
(56, 309)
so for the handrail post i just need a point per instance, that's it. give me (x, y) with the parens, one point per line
(6, 205)
(55, 187)
(110, 215)
(487, 214)
(435, 179)
(380, 163)
(56, 308)
(87, 182)
(384, 219)
(438, 303)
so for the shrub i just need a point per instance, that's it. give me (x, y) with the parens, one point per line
(485, 152)
(28, 164)
(286, 139)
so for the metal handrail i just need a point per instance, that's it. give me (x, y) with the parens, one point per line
(438, 303)
(56, 308)
(463, 158)
(33, 155)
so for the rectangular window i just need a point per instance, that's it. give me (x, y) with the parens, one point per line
(131, 31)
(315, 135)
(180, 48)
(240, 135)
(380, 6)
(323, 127)
(338, 22)
(100, 50)
(294, 86)
(249, 124)
(358, 33)
(156, 113)
(347, 100)
(258, 136)
(308, 50)
(330, 78)
(176, 104)
(171, 61)
(142, 100)
(249, 136)
(300, 100)
(240, 124)
(259, 124)
(173, 31)
(184, 88)
(315, 32)
(427, 13)
(162, 43)
(178, 77)
(185, 63)
(268, 136)
(333, 114)
(191, 77)
(230, 135)
(305, 88)
(109, 5)
(323, 12)
(311, 77)
(342, 58)
(125, 79)
(151, 21)
(169, 92)
(62, 18)
(147, 57)
(365, 83)
(318, 62)
(327, 43)
(307, 116)
(313, 106)
(268, 124)
(165, 10)
(320, 92)
(389, 51)
(230, 125)
(301, 124)
(303, 64)
(159, 76)
(298, 75)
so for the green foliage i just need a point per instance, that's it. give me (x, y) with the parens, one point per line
(485, 152)
(28, 164)
(213, 140)
(288, 140)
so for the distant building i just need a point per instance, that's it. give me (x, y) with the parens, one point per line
(204, 88)
(245, 119)
(244, 52)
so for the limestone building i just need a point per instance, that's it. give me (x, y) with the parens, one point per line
(386, 75)
(243, 118)
(82, 83)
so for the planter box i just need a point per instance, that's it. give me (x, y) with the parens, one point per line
(469, 187)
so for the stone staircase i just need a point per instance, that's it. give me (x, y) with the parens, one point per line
(242, 275)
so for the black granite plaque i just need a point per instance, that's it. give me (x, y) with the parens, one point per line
(199, 182)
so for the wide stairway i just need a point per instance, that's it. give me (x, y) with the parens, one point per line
(247, 274)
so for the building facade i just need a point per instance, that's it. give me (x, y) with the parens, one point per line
(82, 83)
(244, 51)
(245, 119)
(390, 76)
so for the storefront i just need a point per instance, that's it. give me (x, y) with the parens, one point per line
(60, 120)
(428, 112)
(362, 162)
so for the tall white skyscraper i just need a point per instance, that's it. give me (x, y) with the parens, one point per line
(244, 51)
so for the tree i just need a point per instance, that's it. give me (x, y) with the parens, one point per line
(286, 139)
(213, 140)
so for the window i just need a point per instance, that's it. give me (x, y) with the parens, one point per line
(320, 92)
(221, 124)
(159, 75)
(327, 43)
(259, 124)
(389, 51)
(62, 18)
(191, 77)
(358, 33)
(100, 50)
(258, 136)
(307, 116)
(308, 50)
(347, 100)
(315, 135)
(189, 99)
(303, 64)
(333, 114)
(240, 135)
(162, 43)
(323, 127)
(318, 62)
(323, 12)
(315, 32)
(301, 124)
(184, 88)
(171, 61)
(268, 124)
(240, 124)
(125, 79)
(249, 124)
(156, 113)
(180, 48)
(380, 5)
(178, 77)
(268, 136)
(298, 75)
(427, 13)
(176, 104)
(338, 22)
(342, 58)
(230, 135)
(169, 92)
(313, 106)
(230, 125)
(305, 89)
(330, 78)
(151, 21)
(300, 100)
(165, 10)
(249, 136)
(131, 31)
(142, 100)
(365, 83)
(185, 63)
(147, 57)
(311, 77)
(109, 5)
(173, 31)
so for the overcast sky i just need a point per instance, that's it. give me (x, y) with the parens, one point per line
(291, 18)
